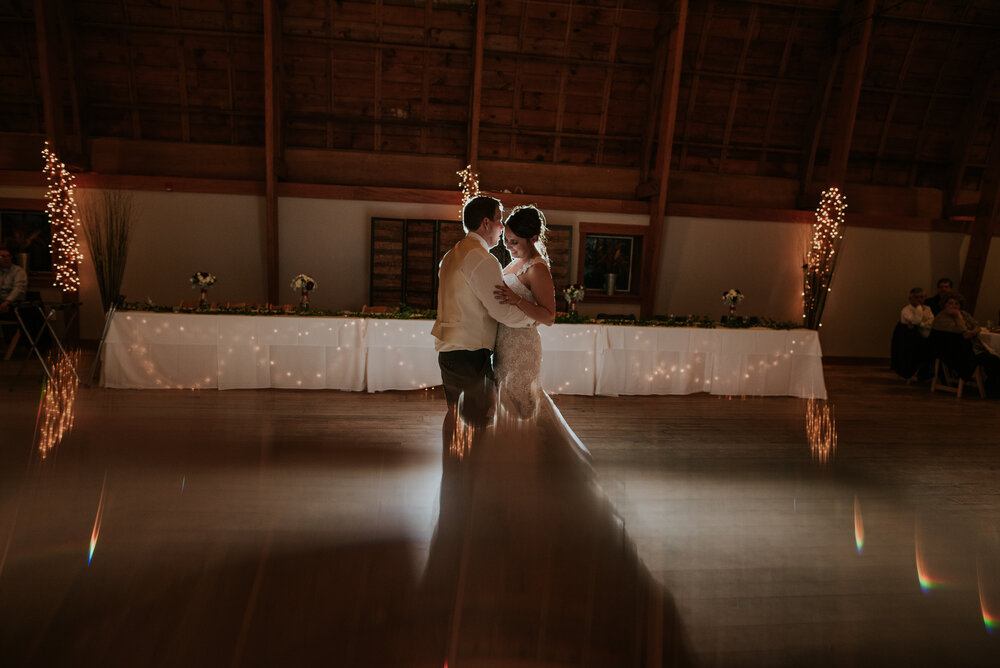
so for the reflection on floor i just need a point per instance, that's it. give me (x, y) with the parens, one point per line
(283, 528)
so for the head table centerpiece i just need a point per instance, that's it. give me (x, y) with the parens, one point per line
(202, 280)
(304, 284)
(731, 298)
(573, 294)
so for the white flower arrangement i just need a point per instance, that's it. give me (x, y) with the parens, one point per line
(732, 297)
(202, 280)
(304, 282)
(573, 293)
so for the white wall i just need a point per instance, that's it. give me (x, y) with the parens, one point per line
(180, 233)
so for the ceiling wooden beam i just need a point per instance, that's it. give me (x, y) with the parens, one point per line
(606, 92)
(734, 95)
(47, 36)
(693, 92)
(273, 147)
(859, 31)
(890, 112)
(775, 96)
(476, 93)
(984, 227)
(962, 148)
(664, 152)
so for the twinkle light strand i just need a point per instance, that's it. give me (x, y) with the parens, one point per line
(821, 258)
(64, 220)
(469, 183)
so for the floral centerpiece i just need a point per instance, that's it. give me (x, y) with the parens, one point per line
(731, 298)
(304, 284)
(202, 280)
(573, 294)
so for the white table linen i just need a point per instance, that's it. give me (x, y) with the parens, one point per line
(166, 350)
(191, 351)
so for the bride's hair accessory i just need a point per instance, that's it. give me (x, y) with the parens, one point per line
(527, 221)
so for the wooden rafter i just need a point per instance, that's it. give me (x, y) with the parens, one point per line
(973, 112)
(859, 32)
(377, 77)
(608, 78)
(331, 71)
(644, 189)
(918, 145)
(126, 30)
(664, 151)
(425, 82)
(984, 227)
(476, 94)
(234, 127)
(904, 68)
(46, 31)
(182, 75)
(735, 94)
(693, 94)
(272, 141)
(563, 76)
(773, 106)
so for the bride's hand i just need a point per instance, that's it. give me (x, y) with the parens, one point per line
(504, 294)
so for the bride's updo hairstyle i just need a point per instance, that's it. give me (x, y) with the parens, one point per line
(527, 221)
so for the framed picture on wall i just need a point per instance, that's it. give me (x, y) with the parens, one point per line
(25, 231)
(611, 250)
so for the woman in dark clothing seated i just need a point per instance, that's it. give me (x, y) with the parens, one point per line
(963, 349)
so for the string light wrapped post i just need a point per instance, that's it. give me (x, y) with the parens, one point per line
(821, 258)
(64, 220)
(469, 184)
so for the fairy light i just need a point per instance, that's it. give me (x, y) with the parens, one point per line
(828, 230)
(469, 183)
(63, 217)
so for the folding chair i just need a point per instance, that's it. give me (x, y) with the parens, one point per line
(953, 364)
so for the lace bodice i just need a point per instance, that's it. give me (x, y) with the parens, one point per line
(514, 282)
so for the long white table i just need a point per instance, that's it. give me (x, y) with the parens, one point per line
(166, 350)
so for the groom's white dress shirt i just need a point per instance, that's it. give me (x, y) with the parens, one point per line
(468, 312)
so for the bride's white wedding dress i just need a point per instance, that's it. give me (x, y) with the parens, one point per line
(523, 406)
(519, 356)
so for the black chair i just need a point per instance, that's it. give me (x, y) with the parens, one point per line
(910, 353)
(616, 316)
(954, 364)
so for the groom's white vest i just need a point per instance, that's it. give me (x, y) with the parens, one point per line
(463, 323)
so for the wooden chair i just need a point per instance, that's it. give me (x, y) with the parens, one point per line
(954, 365)
(946, 380)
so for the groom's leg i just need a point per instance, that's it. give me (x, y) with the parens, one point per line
(468, 374)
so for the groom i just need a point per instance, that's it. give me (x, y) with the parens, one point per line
(467, 315)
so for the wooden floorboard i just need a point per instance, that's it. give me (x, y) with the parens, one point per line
(301, 521)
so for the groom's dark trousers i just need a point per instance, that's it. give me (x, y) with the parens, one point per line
(468, 374)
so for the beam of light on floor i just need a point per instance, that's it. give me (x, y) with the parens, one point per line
(859, 526)
(97, 521)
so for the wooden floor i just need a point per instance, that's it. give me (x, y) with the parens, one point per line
(313, 528)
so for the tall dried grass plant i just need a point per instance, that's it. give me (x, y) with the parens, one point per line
(107, 222)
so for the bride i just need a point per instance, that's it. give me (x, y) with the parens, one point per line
(527, 285)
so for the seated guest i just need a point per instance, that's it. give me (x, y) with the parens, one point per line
(943, 288)
(955, 321)
(917, 315)
(910, 353)
(13, 283)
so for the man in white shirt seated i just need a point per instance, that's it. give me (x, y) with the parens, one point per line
(910, 352)
(13, 283)
(916, 314)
